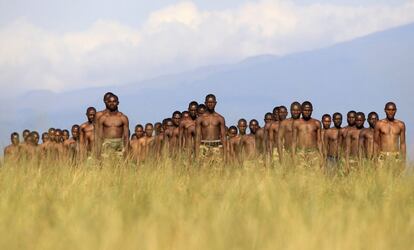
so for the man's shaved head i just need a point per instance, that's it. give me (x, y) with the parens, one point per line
(107, 95)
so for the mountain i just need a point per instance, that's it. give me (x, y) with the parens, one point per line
(362, 74)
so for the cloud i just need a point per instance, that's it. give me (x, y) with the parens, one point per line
(179, 37)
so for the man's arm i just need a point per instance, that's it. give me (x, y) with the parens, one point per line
(223, 137)
(270, 143)
(377, 138)
(125, 133)
(347, 150)
(197, 137)
(361, 145)
(319, 136)
(280, 142)
(403, 146)
(181, 138)
(325, 144)
(294, 139)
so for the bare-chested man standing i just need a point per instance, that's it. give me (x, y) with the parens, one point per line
(332, 141)
(87, 133)
(12, 152)
(72, 145)
(389, 135)
(274, 133)
(175, 133)
(367, 146)
(233, 144)
(114, 130)
(261, 135)
(248, 143)
(211, 133)
(187, 128)
(146, 143)
(285, 133)
(350, 118)
(352, 142)
(307, 143)
(98, 140)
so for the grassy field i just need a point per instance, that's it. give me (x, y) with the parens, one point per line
(175, 207)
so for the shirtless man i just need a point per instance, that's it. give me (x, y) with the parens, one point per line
(350, 118)
(97, 140)
(146, 143)
(159, 138)
(261, 135)
(58, 148)
(326, 125)
(233, 144)
(211, 132)
(248, 142)
(307, 142)
(134, 144)
(367, 146)
(332, 142)
(114, 130)
(389, 134)
(187, 133)
(274, 132)
(175, 134)
(87, 133)
(352, 142)
(12, 152)
(72, 145)
(45, 146)
(285, 133)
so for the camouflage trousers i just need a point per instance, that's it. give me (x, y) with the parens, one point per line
(389, 159)
(112, 148)
(210, 155)
(308, 159)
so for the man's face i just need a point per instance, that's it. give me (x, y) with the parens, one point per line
(91, 115)
(75, 132)
(15, 140)
(210, 103)
(149, 130)
(390, 111)
(193, 111)
(26, 135)
(36, 138)
(45, 137)
(157, 128)
(307, 112)
(268, 119)
(372, 120)
(65, 135)
(242, 125)
(337, 119)
(359, 121)
(326, 122)
(176, 119)
(276, 114)
(52, 134)
(351, 119)
(201, 110)
(112, 104)
(282, 114)
(58, 136)
(186, 115)
(296, 110)
(232, 132)
(139, 131)
(253, 126)
(170, 124)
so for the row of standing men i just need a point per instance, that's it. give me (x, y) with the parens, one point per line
(201, 133)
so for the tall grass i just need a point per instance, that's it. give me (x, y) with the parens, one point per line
(175, 206)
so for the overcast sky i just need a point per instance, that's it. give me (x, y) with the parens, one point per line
(60, 45)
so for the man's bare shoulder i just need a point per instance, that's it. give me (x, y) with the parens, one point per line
(286, 122)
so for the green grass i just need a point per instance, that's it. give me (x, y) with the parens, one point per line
(174, 207)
